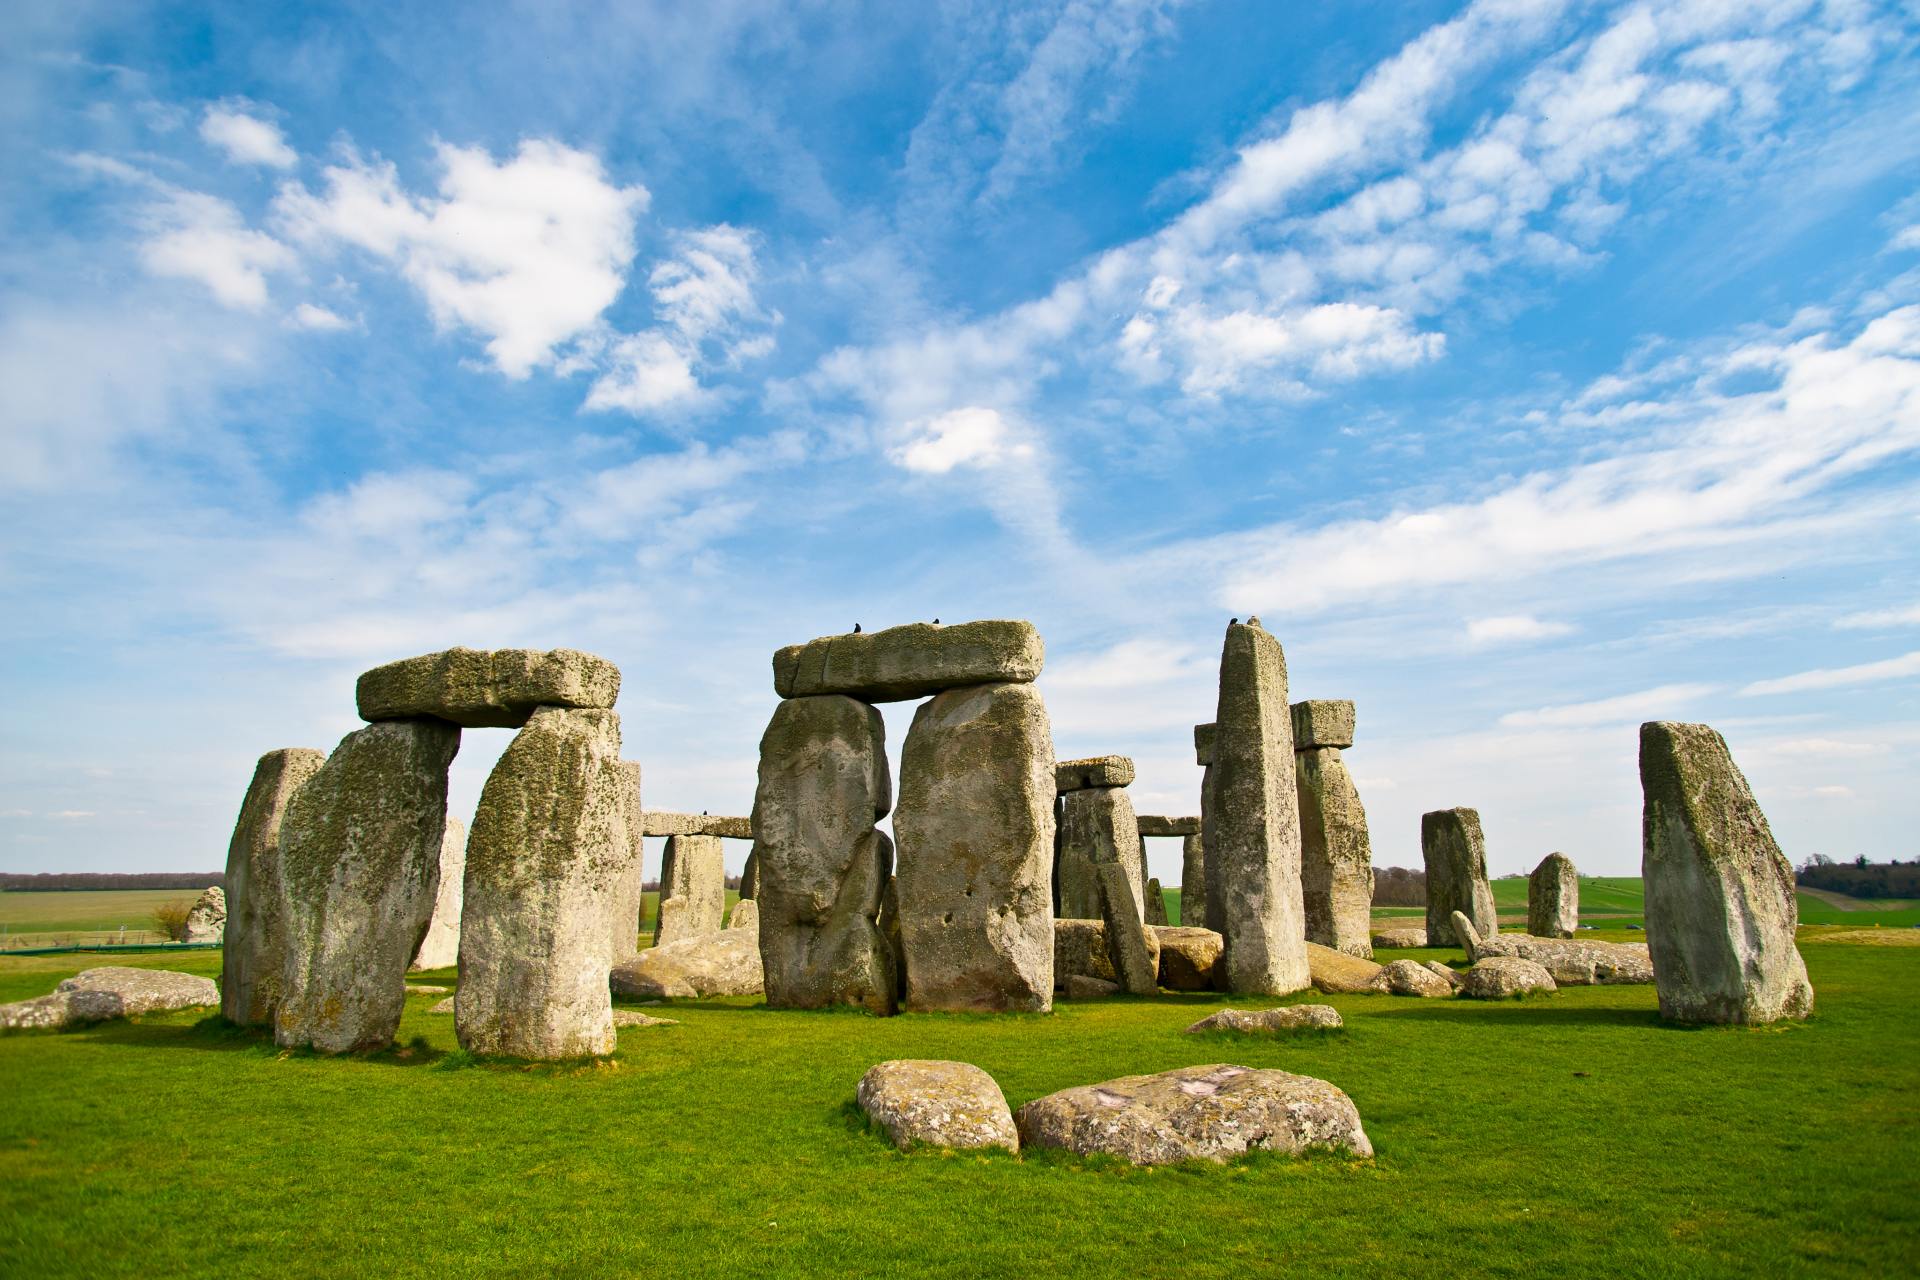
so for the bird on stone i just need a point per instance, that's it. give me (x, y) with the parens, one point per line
(936, 622)
(856, 628)
(1233, 622)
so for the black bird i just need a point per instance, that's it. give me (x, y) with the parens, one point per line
(856, 628)
(1234, 623)
(936, 622)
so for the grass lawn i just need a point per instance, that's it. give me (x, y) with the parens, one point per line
(1570, 1135)
(43, 918)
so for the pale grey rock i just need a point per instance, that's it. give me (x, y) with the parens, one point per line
(1447, 974)
(1456, 858)
(1498, 977)
(360, 871)
(551, 846)
(726, 963)
(427, 989)
(629, 891)
(1152, 824)
(746, 915)
(1132, 948)
(1193, 881)
(822, 867)
(486, 689)
(938, 1104)
(1156, 904)
(1553, 898)
(1253, 831)
(975, 826)
(659, 822)
(1187, 956)
(1573, 962)
(633, 1018)
(1212, 1112)
(913, 661)
(113, 991)
(1341, 972)
(445, 1006)
(1322, 722)
(1412, 978)
(694, 870)
(207, 920)
(1393, 939)
(1298, 1017)
(1081, 987)
(254, 953)
(440, 946)
(1721, 911)
(670, 922)
(1096, 826)
(1080, 948)
(1094, 771)
(1336, 854)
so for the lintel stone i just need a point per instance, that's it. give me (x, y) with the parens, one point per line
(1153, 824)
(658, 822)
(1203, 744)
(486, 688)
(912, 661)
(1322, 722)
(1095, 771)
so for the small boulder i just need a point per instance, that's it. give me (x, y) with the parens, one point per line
(726, 963)
(1081, 987)
(1337, 973)
(1297, 1017)
(1498, 977)
(941, 1104)
(1210, 1112)
(1187, 957)
(1411, 978)
(633, 1018)
(1400, 938)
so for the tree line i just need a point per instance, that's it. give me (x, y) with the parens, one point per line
(47, 881)
(1860, 878)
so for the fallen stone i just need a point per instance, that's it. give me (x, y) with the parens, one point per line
(1159, 825)
(440, 947)
(1456, 860)
(1412, 978)
(1095, 771)
(426, 989)
(1187, 956)
(658, 822)
(1210, 1112)
(938, 1104)
(486, 688)
(975, 826)
(912, 661)
(629, 891)
(1336, 853)
(207, 921)
(1322, 722)
(1096, 826)
(255, 944)
(445, 1006)
(1156, 906)
(360, 869)
(746, 915)
(1553, 898)
(1081, 987)
(1080, 949)
(1193, 881)
(1720, 902)
(1400, 938)
(1132, 948)
(113, 991)
(1299, 1017)
(631, 1018)
(1339, 973)
(725, 963)
(1498, 977)
(1450, 975)
(1573, 962)
(694, 870)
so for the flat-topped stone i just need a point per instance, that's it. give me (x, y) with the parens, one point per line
(912, 661)
(1187, 956)
(1500, 977)
(486, 688)
(113, 991)
(1322, 722)
(1094, 771)
(658, 822)
(1341, 972)
(940, 1104)
(724, 963)
(1153, 824)
(1298, 1017)
(1203, 735)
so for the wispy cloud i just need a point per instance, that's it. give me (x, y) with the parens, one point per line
(1839, 677)
(1876, 619)
(1513, 629)
(1648, 704)
(245, 137)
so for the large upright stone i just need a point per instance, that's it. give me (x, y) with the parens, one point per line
(1096, 826)
(1456, 858)
(623, 915)
(1721, 911)
(1206, 912)
(1553, 898)
(1336, 854)
(1132, 949)
(486, 689)
(975, 826)
(1253, 821)
(360, 869)
(551, 841)
(440, 948)
(1155, 909)
(911, 661)
(821, 866)
(1193, 881)
(207, 921)
(692, 869)
(255, 945)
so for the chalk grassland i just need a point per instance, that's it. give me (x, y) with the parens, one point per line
(1571, 1135)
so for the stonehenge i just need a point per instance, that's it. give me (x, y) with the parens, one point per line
(1336, 856)
(1156, 903)
(1456, 858)
(256, 933)
(1202, 911)
(1133, 949)
(440, 947)
(693, 875)
(1720, 902)
(207, 921)
(480, 689)
(1553, 898)
(913, 661)
(623, 914)
(1096, 825)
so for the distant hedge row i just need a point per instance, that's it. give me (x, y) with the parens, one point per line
(1862, 879)
(71, 880)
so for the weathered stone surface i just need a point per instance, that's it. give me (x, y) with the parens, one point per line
(487, 688)
(360, 869)
(725, 963)
(1253, 821)
(1498, 977)
(1094, 771)
(1573, 962)
(427, 989)
(1193, 881)
(890, 930)
(1204, 736)
(1298, 1017)
(1446, 974)
(445, 1006)
(1080, 987)
(746, 915)
(1080, 947)
(940, 1104)
(1721, 910)
(552, 843)
(1412, 978)
(1456, 858)
(1132, 948)
(1187, 957)
(95, 995)
(207, 921)
(913, 661)
(1336, 854)
(440, 947)
(693, 869)
(1153, 824)
(1553, 898)
(1400, 938)
(750, 877)
(822, 867)
(1210, 1112)
(634, 1018)
(1339, 972)
(629, 890)
(659, 822)
(975, 826)
(1096, 826)
(254, 951)
(1322, 722)
(1156, 905)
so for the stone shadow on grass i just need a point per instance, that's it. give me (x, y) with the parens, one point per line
(1534, 1011)
(215, 1034)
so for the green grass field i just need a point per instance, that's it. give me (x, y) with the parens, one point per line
(43, 919)
(1567, 1135)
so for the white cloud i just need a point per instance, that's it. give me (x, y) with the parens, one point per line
(645, 372)
(1839, 677)
(1513, 628)
(201, 238)
(246, 138)
(973, 436)
(72, 815)
(309, 316)
(1870, 619)
(1649, 704)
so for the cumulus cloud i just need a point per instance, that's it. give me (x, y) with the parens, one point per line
(1839, 677)
(191, 236)
(973, 436)
(245, 138)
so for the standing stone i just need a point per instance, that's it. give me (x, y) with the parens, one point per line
(552, 841)
(821, 865)
(1207, 909)
(745, 915)
(1156, 907)
(1456, 858)
(1721, 911)
(360, 869)
(1553, 898)
(207, 921)
(1336, 855)
(1096, 825)
(1132, 948)
(693, 869)
(1193, 881)
(1253, 836)
(440, 948)
(623, 918)
(975, 825)
(890, 930)
(750, 877)
(256, 936)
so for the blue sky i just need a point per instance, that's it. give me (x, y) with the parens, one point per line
(1531, 368)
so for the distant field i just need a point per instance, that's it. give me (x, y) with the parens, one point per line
(87, 915)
